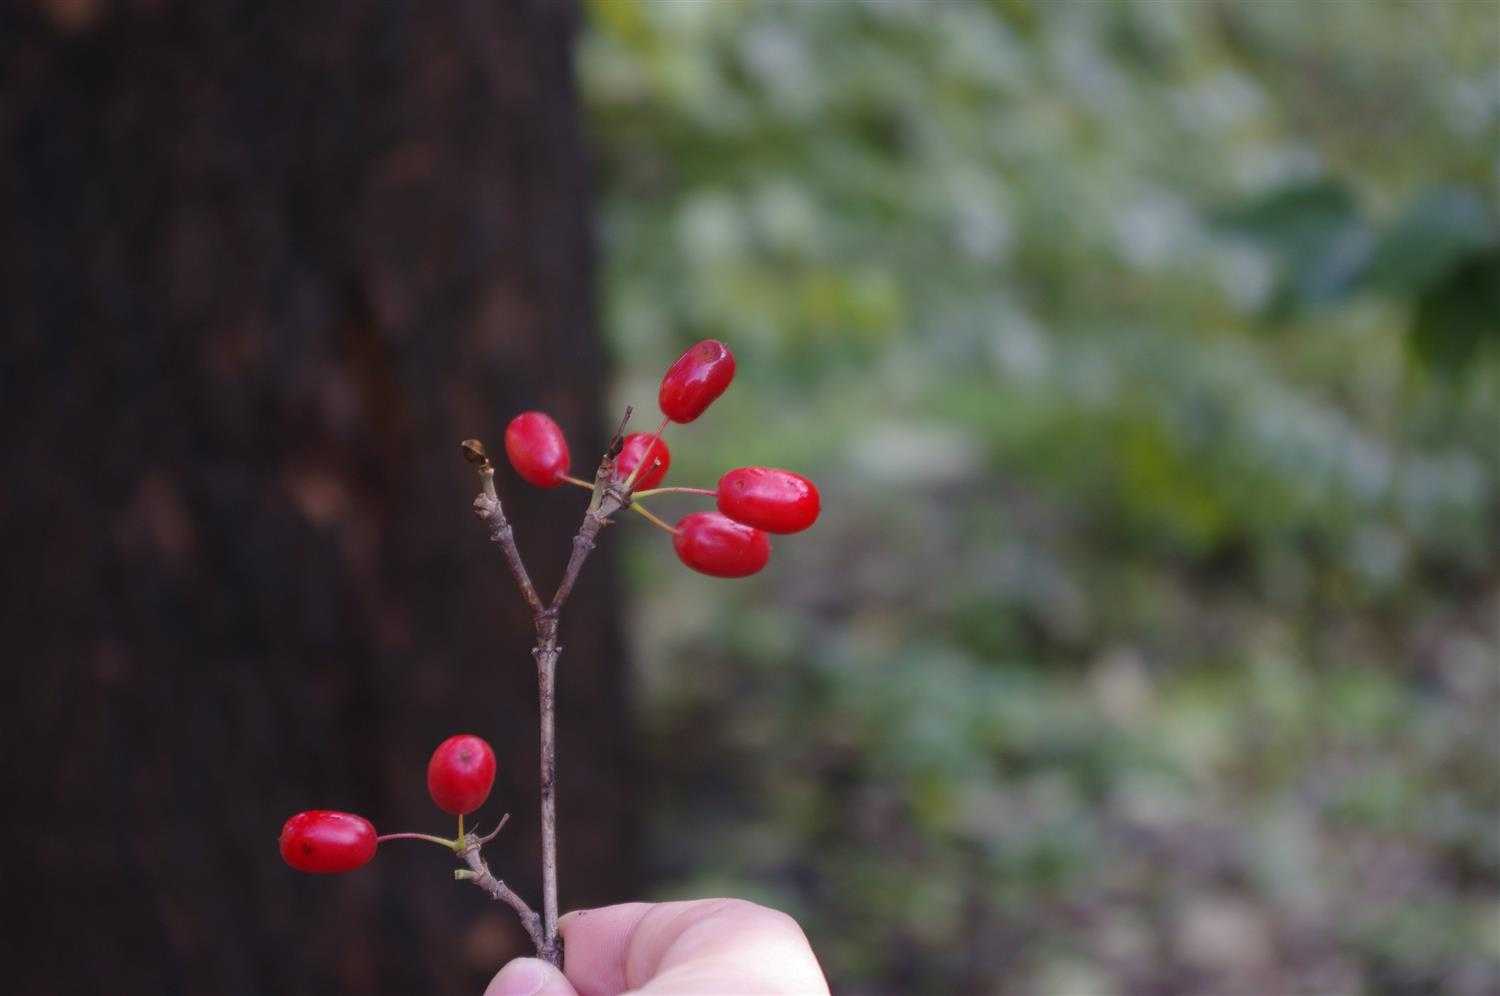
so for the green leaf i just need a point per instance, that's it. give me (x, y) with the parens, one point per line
(1290, 216)
(1460, 315)
(1439, 231)
(1316, 234)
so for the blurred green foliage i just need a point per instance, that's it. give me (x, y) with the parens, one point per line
(1150, 640)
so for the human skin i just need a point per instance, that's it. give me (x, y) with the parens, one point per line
(718, 946)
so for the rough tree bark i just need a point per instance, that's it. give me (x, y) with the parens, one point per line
(265, 265)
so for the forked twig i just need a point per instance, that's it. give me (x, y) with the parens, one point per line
(607, 498)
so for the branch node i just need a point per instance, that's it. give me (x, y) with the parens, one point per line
(474, 452)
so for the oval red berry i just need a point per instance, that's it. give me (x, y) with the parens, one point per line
(630, 457)
(461, 774)
(716, 545)
(698, 377)
(537, 449)
(325, 842)
(777, 501)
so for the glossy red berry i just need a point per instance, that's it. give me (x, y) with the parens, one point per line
(325, 842)
(777, 501)
(698, 377)
(630, 457)
(461, 774)
(715, 544)
(537, 449)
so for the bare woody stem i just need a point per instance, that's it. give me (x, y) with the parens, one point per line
(546, 654)
(468, 847)
(487, 507)
(608, 498)
(479, 873)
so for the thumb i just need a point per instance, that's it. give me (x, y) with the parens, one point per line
(529, 977)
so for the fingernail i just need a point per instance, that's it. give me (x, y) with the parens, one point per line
(522, 977)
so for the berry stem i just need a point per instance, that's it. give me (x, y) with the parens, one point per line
(451, 845)
(652, 518)
(676, 491)
(577, 482)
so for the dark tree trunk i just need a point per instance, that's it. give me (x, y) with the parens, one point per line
(265, 265)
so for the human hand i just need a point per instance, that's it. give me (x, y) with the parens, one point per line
(705, 947)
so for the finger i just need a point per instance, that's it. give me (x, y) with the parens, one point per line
(718, 945)
(595, 944)
(726, 946)
(529, 977)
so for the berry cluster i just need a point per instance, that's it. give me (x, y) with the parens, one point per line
(728, 543)
(326, 842)
(752, 501)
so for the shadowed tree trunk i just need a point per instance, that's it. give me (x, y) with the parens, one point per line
(265, 265)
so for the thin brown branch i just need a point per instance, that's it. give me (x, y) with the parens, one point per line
(546, 675)
(480, 875)
(617, 441)
(608, 497)
(606, 500)
(487, 506)
(594, 520)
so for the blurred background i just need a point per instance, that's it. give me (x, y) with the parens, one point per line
(1147, 355)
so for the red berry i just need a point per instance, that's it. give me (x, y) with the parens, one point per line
(717, 545)
(698, 377)
(461, 774)
(630, 456)
(777, 501)
(537, 449)
(325, 842)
